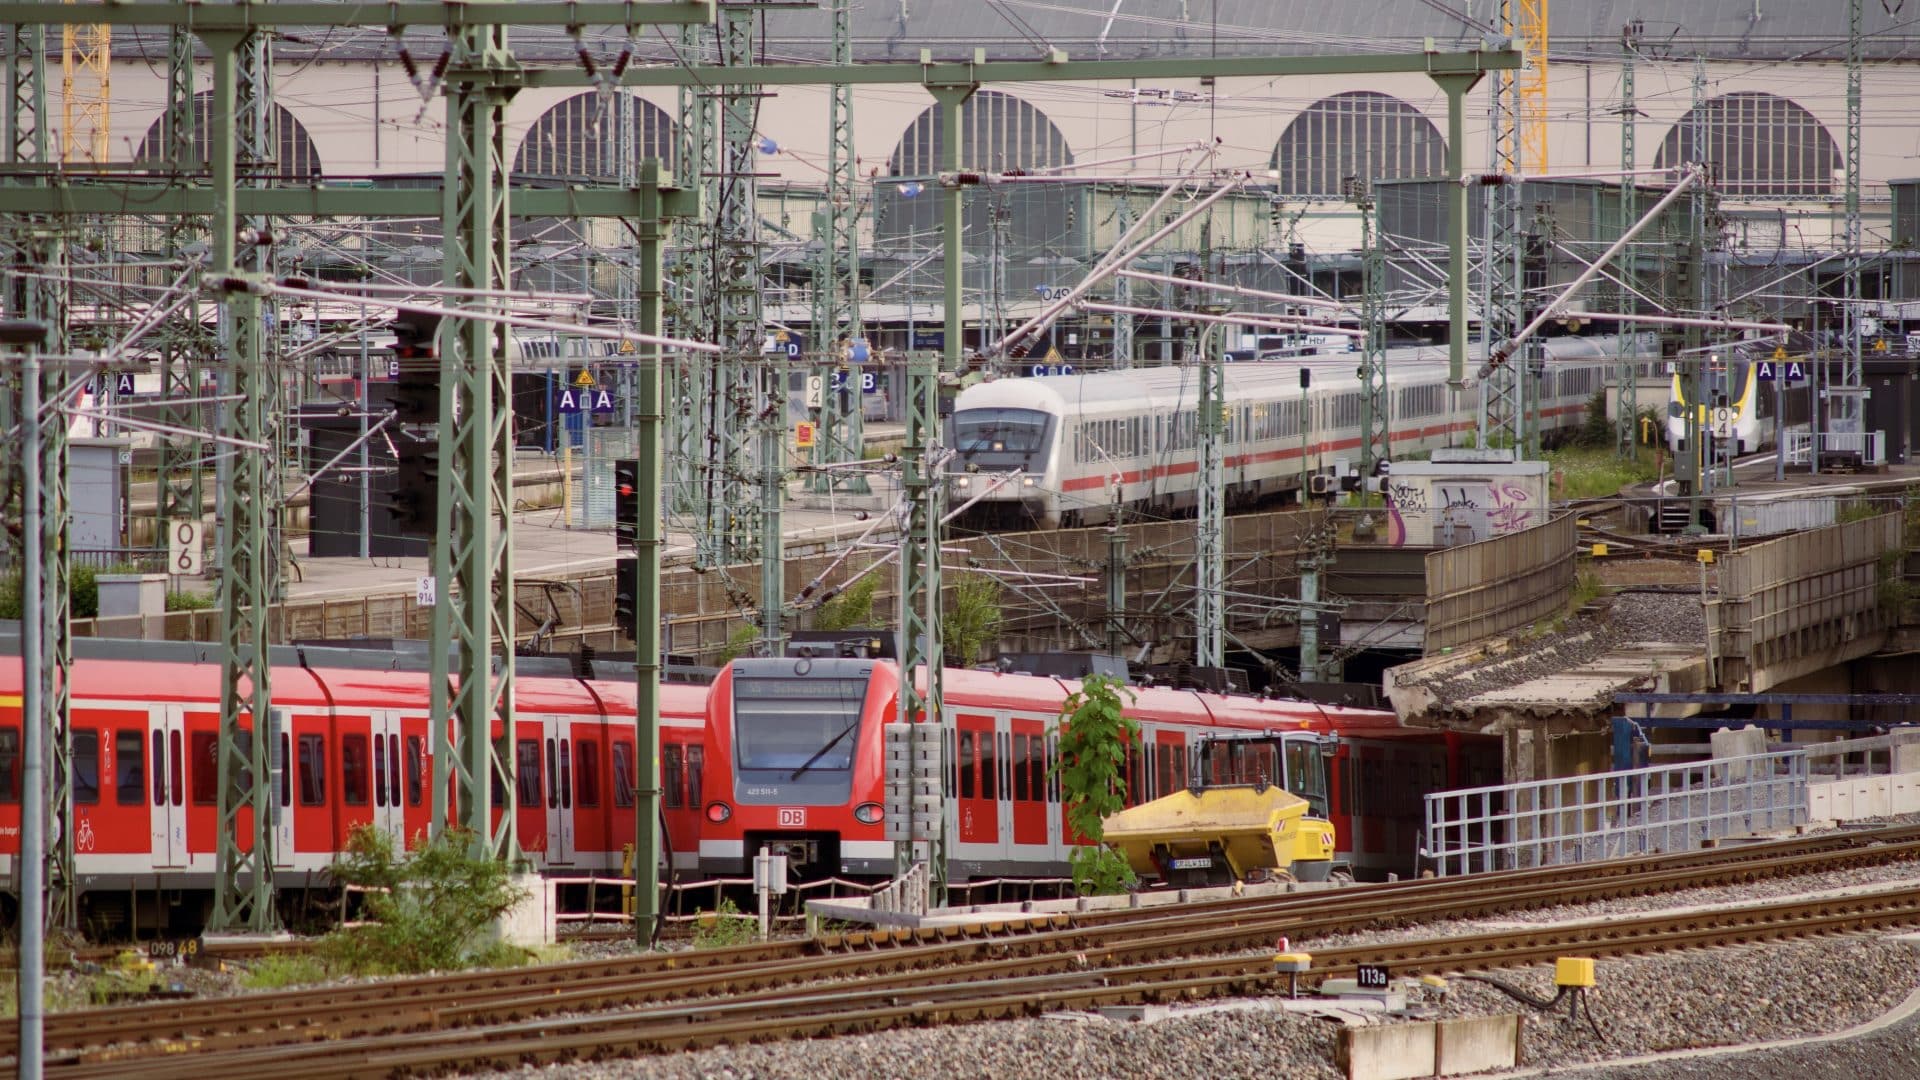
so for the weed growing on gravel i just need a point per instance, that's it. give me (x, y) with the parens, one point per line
(279, 972)
(723, 927)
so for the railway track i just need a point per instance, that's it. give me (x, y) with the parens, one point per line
(690, 998)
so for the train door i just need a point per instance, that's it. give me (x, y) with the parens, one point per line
(976, 787)
(389, 809)
(1028, 762)
(280, 789)
(167, 757)
(557, 745)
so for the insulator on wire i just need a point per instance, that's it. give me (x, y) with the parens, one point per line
(620, 64)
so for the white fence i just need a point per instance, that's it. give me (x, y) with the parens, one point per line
(1870, 445)
(1613, 815)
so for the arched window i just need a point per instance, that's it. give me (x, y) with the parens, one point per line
(1757, 144)
(1361, 134)
(998, 133)
(298, 157)
(576, 138)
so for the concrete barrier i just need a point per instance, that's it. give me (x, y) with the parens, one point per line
(1429, 1048)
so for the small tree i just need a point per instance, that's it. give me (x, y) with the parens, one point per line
(1093, 732)
(431, 908)
(851, 609)
(971, 619)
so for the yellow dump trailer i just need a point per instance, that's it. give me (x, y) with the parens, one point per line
(1222, 834)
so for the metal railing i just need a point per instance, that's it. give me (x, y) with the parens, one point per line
(1869, 445)
(1613, 815)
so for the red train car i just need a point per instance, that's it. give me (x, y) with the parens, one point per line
(351, 748)
(795, 750)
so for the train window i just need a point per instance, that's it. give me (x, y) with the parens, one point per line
(353, 770)
(86, 768)
(1022, 788)
(159, 769)
(672, 774)
(553, 779)
(393, 769)
(416, 765)
(313, 770)
(1133, 775)
(696, 772)
(623, 773)
(286, 774)
(205, 747)
(526, 772)
(989, 769)
(566, 774)
(176, 784)
(965, 763)
(130, 765)
(9, 765)
(379, 770)
(586, 784)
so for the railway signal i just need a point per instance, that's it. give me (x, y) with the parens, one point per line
(626, 503)
(416, 501)
(626, 595)
(416, 390)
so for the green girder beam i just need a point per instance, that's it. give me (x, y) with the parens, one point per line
(649, 543)
(155, 200)
(243, 18)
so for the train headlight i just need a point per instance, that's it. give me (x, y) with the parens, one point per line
(1026, 481)
(962, 483)
(869, 813)
(718, 812)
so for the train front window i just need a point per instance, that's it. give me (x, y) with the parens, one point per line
(796, 724)
(1307, 774)
(994, 431)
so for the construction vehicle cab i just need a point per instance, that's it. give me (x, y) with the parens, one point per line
(1255, 809)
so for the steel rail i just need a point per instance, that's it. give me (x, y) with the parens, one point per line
(760, 975)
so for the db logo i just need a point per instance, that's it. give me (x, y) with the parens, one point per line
(793, 817)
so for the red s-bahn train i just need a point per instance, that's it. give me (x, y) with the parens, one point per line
(351, 748)
(783, 752)
(796, 758)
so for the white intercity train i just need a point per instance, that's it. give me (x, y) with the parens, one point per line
(1084, 444)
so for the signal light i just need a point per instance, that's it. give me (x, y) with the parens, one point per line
(416, 391)
(626, 595)
(416, 501)
(626, 503)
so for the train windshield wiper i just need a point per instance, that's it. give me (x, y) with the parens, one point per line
(822, 752)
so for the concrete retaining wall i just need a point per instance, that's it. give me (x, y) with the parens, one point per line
(1429, 1048)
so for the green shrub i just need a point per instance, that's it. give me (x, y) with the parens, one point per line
(723, 927)
(185, 600)
(971, 619)
(431, 909)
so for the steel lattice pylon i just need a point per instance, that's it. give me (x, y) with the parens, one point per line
(85, 50)
(691, 380)
(243, 872)
(182, 344)
(1847, 406)
(1502, 388)
(1375, 435)
(836, 290)
(1209, 552)
(1627, 393)
(473, 623)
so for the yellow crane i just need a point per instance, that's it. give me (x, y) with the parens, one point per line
(85, 51)
(1530, 30)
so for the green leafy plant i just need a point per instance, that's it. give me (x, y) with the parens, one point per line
(851, 608)
(740, 642)
(430, 909)
(723, 927)
(971, 619)
(1093, 732)
(189, 600)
